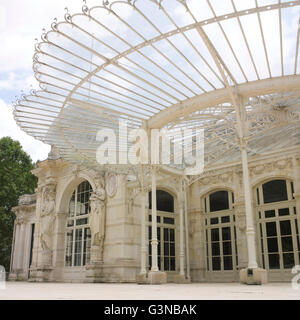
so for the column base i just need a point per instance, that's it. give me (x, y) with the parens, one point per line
(13, 276)
(179, 278)
(94, 272)
(253, 276)
(43, 274)
(141, 278)
(46, 260)
(157, 277)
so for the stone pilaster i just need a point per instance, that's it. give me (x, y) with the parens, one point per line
(94, 268)
(240, 224)
(47, 221)
(59, 245)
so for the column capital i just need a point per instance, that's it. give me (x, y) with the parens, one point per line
(243, 142)
(154, 241)
(154, 168)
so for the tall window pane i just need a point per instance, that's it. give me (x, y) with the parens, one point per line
(78, 234)
(277, 225)
(221, 248)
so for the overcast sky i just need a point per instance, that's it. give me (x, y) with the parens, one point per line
(21, 22)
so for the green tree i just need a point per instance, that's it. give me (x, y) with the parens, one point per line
(15, 180)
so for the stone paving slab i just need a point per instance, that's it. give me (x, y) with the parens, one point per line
(107, 291)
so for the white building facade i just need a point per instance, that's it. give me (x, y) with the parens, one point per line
(82, 226)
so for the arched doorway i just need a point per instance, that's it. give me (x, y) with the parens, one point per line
(278, 230)
(220, 235)
(166, 231)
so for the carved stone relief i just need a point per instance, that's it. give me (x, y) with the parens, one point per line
(47, 217)
(98, 216)
(111, 185)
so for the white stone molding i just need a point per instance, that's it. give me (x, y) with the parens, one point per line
(111, 184)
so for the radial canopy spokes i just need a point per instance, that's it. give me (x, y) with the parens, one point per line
(168, 64)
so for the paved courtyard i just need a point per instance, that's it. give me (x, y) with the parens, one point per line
(106, 291)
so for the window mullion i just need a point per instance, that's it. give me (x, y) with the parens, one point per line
(294, 239)
(82, 246)
(289, 190)
(210, 249)
(279, 241)
(73, 246)
(233, 253)
(221, 247)
(75, 208)
(207, 258)
(260, 238)
(264, 235)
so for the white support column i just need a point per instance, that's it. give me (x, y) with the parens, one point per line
(186, 232)
(16, 247)
(180, 278)
(12, 249)
(143, 233)
(181, 239)
(21, 246)
(155, 276)
(252, 274)
(154, 241)
(250, 232)
(26, 250)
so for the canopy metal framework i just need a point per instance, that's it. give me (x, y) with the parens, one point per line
(230, 67)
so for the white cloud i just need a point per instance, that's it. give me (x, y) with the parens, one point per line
(19, 82)
(21, 23)
(8, 127)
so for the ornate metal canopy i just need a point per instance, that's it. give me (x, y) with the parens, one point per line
(169, 64)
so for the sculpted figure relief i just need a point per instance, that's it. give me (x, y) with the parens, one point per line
(47, 217)
(98, 212)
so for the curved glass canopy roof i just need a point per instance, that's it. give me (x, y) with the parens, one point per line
(230, 67)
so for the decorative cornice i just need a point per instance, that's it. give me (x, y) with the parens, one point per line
(260, 166)
(27, 199)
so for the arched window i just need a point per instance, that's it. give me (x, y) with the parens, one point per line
(274, 191)
(164, 201)
(165, 231)
(219, 201)
(221, 247)
(78, 234)
(278, 232)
